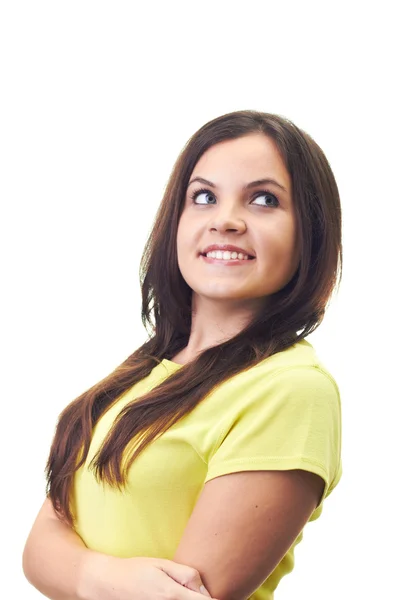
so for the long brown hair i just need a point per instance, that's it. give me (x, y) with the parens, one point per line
(290, 315)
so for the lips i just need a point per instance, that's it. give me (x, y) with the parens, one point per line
(224, 247)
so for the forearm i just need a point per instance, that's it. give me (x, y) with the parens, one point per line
(54, 559)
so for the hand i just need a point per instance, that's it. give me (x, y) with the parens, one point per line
(111, 578)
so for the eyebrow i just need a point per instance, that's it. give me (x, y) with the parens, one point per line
(246, 187)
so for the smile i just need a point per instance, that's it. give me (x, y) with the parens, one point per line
(226, 262)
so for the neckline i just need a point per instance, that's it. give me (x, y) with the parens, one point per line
(171, 363)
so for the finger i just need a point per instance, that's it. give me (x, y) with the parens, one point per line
(179, 592)
(184, 575)
(198, 587)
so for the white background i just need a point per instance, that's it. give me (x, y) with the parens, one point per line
(97, 100)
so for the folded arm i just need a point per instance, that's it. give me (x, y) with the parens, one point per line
(60, 566)
(242, 526)
(55, 556)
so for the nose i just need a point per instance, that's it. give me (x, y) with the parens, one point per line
(226, 222)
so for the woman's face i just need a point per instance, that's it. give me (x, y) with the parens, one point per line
(233, 208)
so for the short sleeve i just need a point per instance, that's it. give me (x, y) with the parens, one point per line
(289, 420)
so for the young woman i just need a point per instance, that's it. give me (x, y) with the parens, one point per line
(203, 455)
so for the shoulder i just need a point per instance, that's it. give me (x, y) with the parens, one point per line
(301, 354)
(298, 367)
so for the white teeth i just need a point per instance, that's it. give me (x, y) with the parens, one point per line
(227, 255)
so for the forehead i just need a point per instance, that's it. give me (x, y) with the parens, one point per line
(248, 158)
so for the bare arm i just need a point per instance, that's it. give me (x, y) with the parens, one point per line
(58, 564)
(243, 524)
(54, 556)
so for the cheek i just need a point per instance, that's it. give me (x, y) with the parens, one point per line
(279, 252)
(183, 246)
(182, 234)
(179, 240)
(188, 238)
(279, 241)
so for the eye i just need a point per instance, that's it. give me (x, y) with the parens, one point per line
(267, 194)
(202, 192)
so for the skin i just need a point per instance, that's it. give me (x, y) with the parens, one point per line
(226, 297)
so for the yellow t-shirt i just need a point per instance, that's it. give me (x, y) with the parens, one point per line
(281, 414)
